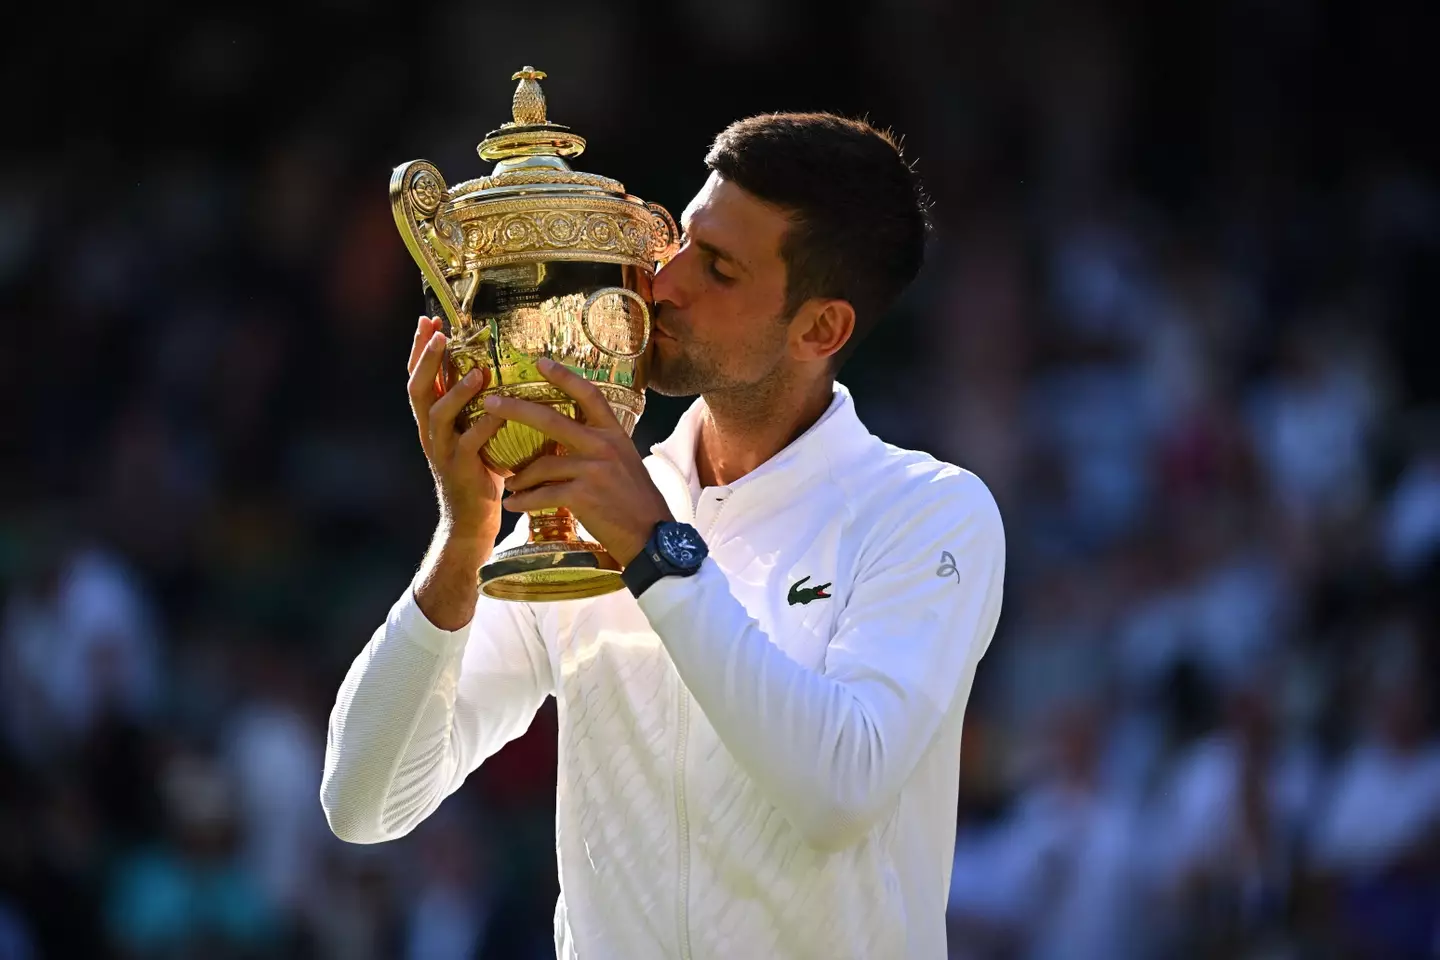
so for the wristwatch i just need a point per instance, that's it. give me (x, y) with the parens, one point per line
(674, 550)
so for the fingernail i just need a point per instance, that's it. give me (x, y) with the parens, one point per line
(492, 401)
(544, 364)
(472, 377)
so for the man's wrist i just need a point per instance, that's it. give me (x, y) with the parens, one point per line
(457, 537)
(634, 541)
(447, 585)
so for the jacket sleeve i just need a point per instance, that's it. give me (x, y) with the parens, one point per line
(832, 748)
(421, 707)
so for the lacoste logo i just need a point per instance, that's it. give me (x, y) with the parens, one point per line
(947, 566)
(799, 594)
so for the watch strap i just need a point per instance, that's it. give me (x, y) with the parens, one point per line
(643, 571)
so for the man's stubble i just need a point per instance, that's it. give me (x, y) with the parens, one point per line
(687, 372)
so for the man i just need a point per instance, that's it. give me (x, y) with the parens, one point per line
(759, 740)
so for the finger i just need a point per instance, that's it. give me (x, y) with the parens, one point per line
(545, 470)
(423, 330)
(544, 418)
(422, 393)
(444, 411)
(592, 402)
(539, 498)
(477, 435)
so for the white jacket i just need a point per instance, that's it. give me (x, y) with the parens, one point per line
(740, 776)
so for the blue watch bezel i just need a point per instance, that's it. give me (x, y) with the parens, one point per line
(658, 538)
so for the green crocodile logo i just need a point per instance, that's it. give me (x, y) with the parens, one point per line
(799, 594)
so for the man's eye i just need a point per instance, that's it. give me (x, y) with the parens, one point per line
(714, 272)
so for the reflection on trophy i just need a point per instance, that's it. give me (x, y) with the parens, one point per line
(537, 260)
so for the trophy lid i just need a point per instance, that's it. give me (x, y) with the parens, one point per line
(532, 208)
(531, 151)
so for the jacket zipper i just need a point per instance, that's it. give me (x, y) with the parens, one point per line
(682, 727)
(682, 904)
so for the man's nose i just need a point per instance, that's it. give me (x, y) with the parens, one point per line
(669, 286)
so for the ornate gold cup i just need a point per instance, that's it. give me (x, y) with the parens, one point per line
(537, 260)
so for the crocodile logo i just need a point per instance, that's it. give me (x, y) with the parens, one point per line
(802, 594)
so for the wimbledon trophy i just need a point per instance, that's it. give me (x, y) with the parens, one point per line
(537, 260)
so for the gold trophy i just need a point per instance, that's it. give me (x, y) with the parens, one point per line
(537, 260)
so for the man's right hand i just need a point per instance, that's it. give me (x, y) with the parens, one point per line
(469, 492)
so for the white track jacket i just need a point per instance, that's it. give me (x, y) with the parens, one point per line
(748, 768)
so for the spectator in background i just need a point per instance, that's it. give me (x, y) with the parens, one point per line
(1313, 425)
(1410, 522)
(189, 895)
(274, 754)
(1377, 836)
(1239, 602)
(353, 913)
(1225, 831)
(78, 644)
(1055, 880)
(451, 905)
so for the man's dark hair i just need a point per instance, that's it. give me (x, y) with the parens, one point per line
(859, 217)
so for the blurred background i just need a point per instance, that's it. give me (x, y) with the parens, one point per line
(1177, 316)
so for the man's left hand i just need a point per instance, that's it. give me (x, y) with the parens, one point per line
(601, 477)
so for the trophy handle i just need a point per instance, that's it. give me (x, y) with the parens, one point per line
(664, 234)
(624, 293)
(416, 191)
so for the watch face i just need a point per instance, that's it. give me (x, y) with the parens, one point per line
(681, 545)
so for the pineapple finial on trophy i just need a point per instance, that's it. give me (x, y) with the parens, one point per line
(528, 104)
(529, 134)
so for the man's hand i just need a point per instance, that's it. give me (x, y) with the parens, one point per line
(601, 478)
(468, 490)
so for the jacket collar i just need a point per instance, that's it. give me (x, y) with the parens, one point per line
(836, 436)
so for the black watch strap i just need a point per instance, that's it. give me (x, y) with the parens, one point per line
(643, 571)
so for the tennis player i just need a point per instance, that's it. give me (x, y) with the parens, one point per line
(760, 738)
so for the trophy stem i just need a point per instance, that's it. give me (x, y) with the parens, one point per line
(553, 525)
(555, 564)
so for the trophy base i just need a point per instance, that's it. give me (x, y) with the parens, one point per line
(544, 571)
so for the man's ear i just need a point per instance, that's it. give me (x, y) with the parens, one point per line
(820, 328)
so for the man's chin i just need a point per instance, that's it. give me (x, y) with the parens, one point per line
(670, 389)
(672, 374)
(671, 383)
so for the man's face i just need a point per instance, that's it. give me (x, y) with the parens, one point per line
(719, 302)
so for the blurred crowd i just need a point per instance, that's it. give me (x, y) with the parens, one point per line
(1176, 316)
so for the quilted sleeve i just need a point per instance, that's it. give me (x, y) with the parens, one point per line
(421, 707)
